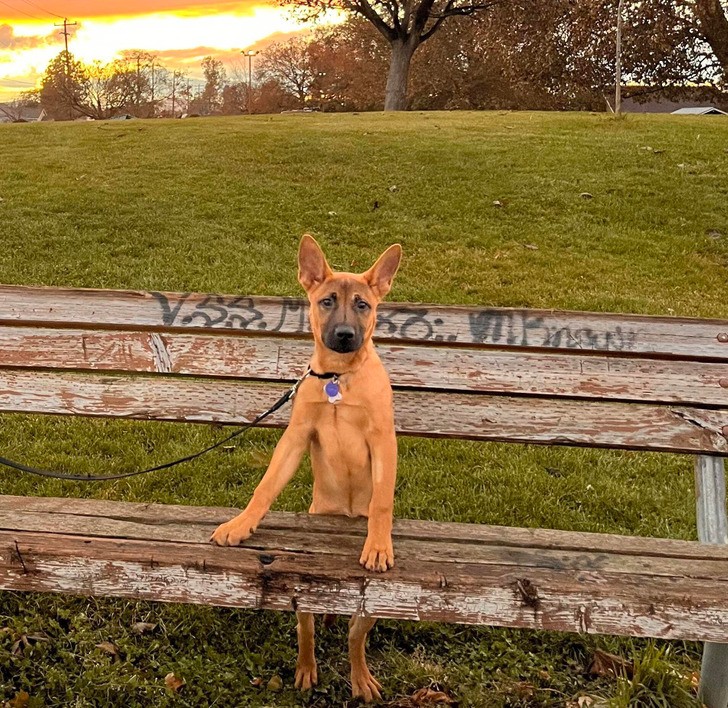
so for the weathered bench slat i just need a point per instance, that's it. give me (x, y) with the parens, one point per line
(477, 417)
(120, 309)
(477, 370)
(470, 583)
(350, 541)
(156, 517)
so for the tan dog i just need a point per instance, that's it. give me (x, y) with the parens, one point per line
(351, 439)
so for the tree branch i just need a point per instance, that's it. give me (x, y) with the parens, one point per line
(451, 10)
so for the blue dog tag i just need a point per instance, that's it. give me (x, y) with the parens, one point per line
(333, 391)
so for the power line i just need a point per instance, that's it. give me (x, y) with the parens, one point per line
(17, 9)
(15, 81)
(42, 9)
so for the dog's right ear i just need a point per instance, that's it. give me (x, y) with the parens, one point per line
(312, 266)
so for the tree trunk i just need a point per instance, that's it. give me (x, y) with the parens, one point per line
(713, 25)
(396, 96)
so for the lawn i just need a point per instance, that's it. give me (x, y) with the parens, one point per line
(573, 211)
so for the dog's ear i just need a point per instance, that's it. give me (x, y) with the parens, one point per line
(381, 274)
(312, 266)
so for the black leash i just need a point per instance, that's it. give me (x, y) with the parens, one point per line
(287, 396)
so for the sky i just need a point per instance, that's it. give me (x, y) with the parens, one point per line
(181, 32)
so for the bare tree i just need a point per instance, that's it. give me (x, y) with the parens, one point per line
(214, 72)
(108, 88)
(405, 24)
(290, 65)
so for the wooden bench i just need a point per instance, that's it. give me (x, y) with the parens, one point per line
(557, 378)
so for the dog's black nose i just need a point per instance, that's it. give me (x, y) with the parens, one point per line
(344, 333)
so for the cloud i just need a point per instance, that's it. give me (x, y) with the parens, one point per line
(81, 9)
(9, 41)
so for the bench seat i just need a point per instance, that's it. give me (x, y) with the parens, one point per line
(449, 572)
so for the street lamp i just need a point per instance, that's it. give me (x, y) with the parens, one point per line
(618, 62)
(250, 54)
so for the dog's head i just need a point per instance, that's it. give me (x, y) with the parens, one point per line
(344, 305)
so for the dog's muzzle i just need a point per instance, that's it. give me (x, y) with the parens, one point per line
(343, 339)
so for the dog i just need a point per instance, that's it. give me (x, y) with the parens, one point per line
(343, 416)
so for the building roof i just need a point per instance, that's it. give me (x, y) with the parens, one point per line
(700, 111)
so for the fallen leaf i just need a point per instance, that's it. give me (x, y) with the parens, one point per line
(714, 233)
(394, 188)
(275, 684)
(531, 246)
(109, 648)
(428, 695)
(586, 195)
(425, 697)
(257, 682)
(606, 664)
(173, 682)
(584, 701)
(143, 627)
(497, 203)
(331, 213)
(20, 700)
(259, 458)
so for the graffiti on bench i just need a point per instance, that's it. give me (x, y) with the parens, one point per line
(497, 327)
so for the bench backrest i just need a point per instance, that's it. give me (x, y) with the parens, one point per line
(533, 376)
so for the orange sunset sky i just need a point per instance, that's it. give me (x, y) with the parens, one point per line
(181, 32)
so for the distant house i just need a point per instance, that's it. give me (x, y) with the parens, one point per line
(644, 100)
(699, 111)
(26, 114)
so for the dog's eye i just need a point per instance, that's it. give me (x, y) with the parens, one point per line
(362, 305)
(327, 302)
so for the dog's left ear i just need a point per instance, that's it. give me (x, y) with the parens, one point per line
(381, 274)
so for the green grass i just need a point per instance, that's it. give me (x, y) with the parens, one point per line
(219, 205)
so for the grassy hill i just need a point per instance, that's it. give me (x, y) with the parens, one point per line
(515, 209)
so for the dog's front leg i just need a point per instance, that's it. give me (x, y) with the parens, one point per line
(378, 553)
(283, 465)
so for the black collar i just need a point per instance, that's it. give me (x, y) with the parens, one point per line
(325, 375)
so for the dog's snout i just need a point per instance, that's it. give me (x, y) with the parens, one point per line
(344, 333)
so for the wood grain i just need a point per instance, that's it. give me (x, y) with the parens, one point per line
(502, 327)
(568, 374)
(477, 417)
(679, 596)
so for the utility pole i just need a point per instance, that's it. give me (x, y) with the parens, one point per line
(66, 24)
(618, 77)
(250, 54)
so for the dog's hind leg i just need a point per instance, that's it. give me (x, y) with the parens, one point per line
(363, 684)
(306, 675)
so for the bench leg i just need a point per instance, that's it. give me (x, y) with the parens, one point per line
(712, 528)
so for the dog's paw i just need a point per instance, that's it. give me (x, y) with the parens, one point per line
(306, 676)
(365, 686)
(378, 554)
(234, 531)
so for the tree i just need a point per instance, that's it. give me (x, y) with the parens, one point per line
(711, 18)
(289, 64)
(62, 87)
(405, 24)
(211, 98)
(108, 88)
(350, 63)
